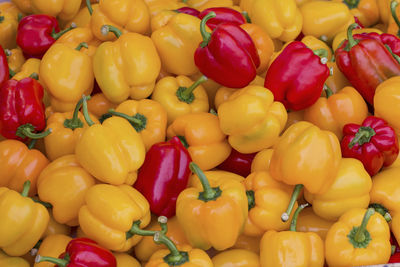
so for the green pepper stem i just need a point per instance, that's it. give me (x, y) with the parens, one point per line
(58, 34)
(89, 7)
(161, 238)
(206, 35)
(246, 16)
(27, 130)
(58, 262)
(20, 16)
(396, 57)
(7, 52)
(125, 116)
(392, 249)
(45, 204)
(328, 91)
(296, 191)
(189, 90)
(105, 29)
(32, 144)
(34, 75)
(135, 229)
(293, 223)
(83, 44)
(25, 189)
(360, 234)
(393, 6)
(75, 122)
(363, 135)
(381, 210)
(208, 193)
(11, 72)
(183, 141)
(85, 110)
(323, 53)
(251, 201)
(351, 41)
(351, 3)
(1, 19)
(184, 1)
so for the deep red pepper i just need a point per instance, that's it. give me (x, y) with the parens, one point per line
(4, 71)
(36, 33)
(395, 258)
(22, 111)
(223, 14)
(360, 25)
(82, 252)
(238, 163)
(365, 63)
(227, 55)
(163, 175)
(188, 10)
(373, 142)
(297, 76)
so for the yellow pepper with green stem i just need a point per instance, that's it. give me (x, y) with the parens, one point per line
(52, 246)
(367, 11)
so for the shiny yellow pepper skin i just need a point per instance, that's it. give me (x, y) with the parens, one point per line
(125, 260)
(24, 5)
(52, 246)
(336, 81)
(110, 212)
(80, 35)
(280, 19)
(55, 228)
(157, 6)
(98, 105)
(127, 67)
(384, 11)
(23, 221)
(15, 59)
(208, 146)
(212, 215)
(8, 261)
(29, 67)
(204, 4)
(294, 159)
(8, 25)
(252, 119)
(246, 242)
(350, 189)
(237, 258)
(62, 9)
(63, 184)
(367, 11)
(83, 17)
(308, 221)
(371, 246)
(262, 160)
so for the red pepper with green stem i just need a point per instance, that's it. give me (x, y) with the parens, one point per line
(222, 14)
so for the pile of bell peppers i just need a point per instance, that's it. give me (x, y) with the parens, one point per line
(204, 133)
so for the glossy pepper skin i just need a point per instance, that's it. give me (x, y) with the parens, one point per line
(223, 14)
(299, 84)
(29, 67)
(236, 257)
(4, 71)
(238, 163)
(308, 221)
(52, 246)
(8, 25)
(203, 4)
(366, 11)
(163, 175)
(228, 55)
(6, 260)
(15, 60)
(80, 35)
(82, 252)
(373, 142)
(252, 119)
(64, 10)
(126, 260)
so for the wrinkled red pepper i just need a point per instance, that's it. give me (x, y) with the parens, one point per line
(82, 252)
(22, 111)
(227, 55)
(238, 163)
(222, 14)
(36, 33)
(163, 175)
(373, 142)
(297, 76)
(4, 71)
(365, 63)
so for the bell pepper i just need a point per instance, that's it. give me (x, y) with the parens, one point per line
(395, 257)
(384, 11)
(251, 243)
(373, 142)
(23, 221)
(267, 200)
(336, 80)
(147, 116)
(12, 8)
(98, 105)
(252, 119)
(22, 110)
(63, 184)
(204, 4)
(111, 152)
(80, 35)
(228, 55)
(134, 62)
(394, 22)
(291, 248)
(351, 178)
(125, 260)
(112, 215)
(4, 71)
(333, 112)
(6, 260)
(8, 29)
(299, 84)
(82, 252)
(360, 237)
(52, 246)
(157, 6)
(236, 257)
(176, 38)
(84, 16)
(324, 19)
(15, 60)
(314, 43)
(214, 177)
(342, 36)
(366, 63)
(222, 14)
(207, 144)
(238, 163)
(163, 175)
(366, 11)
(126, 16)
(56, 228)
(262, 160)
(37, 33)
(30, 68)
(222, 212)
(281, 20)
(23, 5)
(188, 10)
(308, 221)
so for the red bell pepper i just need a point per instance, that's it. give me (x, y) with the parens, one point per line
(365, 63)
(238, 163)
(22, 111)
(227, 55)
(373, 142)
(82, 252)
(395, 258)
(36, 33)
(163, 175)
(4, 72)
(188, 10)
(297, 76)
(222, 14)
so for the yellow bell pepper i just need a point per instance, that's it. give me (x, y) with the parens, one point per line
(77, 69)
(251, 243)
(262, 160)
(56, 228)
(393, 25)
(15, 60)
(207, 144)
(157, 6)
(336, 81)
(125, 260)
(204, 4)
(23, 221)
(366, 11)
(10, 7)
(252, 119)
(350, 189)
(29, 67)
(98, 105)
(387, 102)
(112, 152)
(308, 221)
(280, 19)
(113, 214)
(324, 19)
(291, 248)
(384, 11)
(333, 112)
(23, 5)
(236, 257)
(314, 44)
(62, 9)
(126, 15)
(8, 27)
(360, 237)
(83, 17)
(214, 177)
(148, 118)
(212, 215)
(79, 35)
(63, 184)
(127, 67)
(341, 36)
(210, 86)
(52, 246)
(294, 117)
(176, 38)
(267, 200)
(8, 261)
(294, 160)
